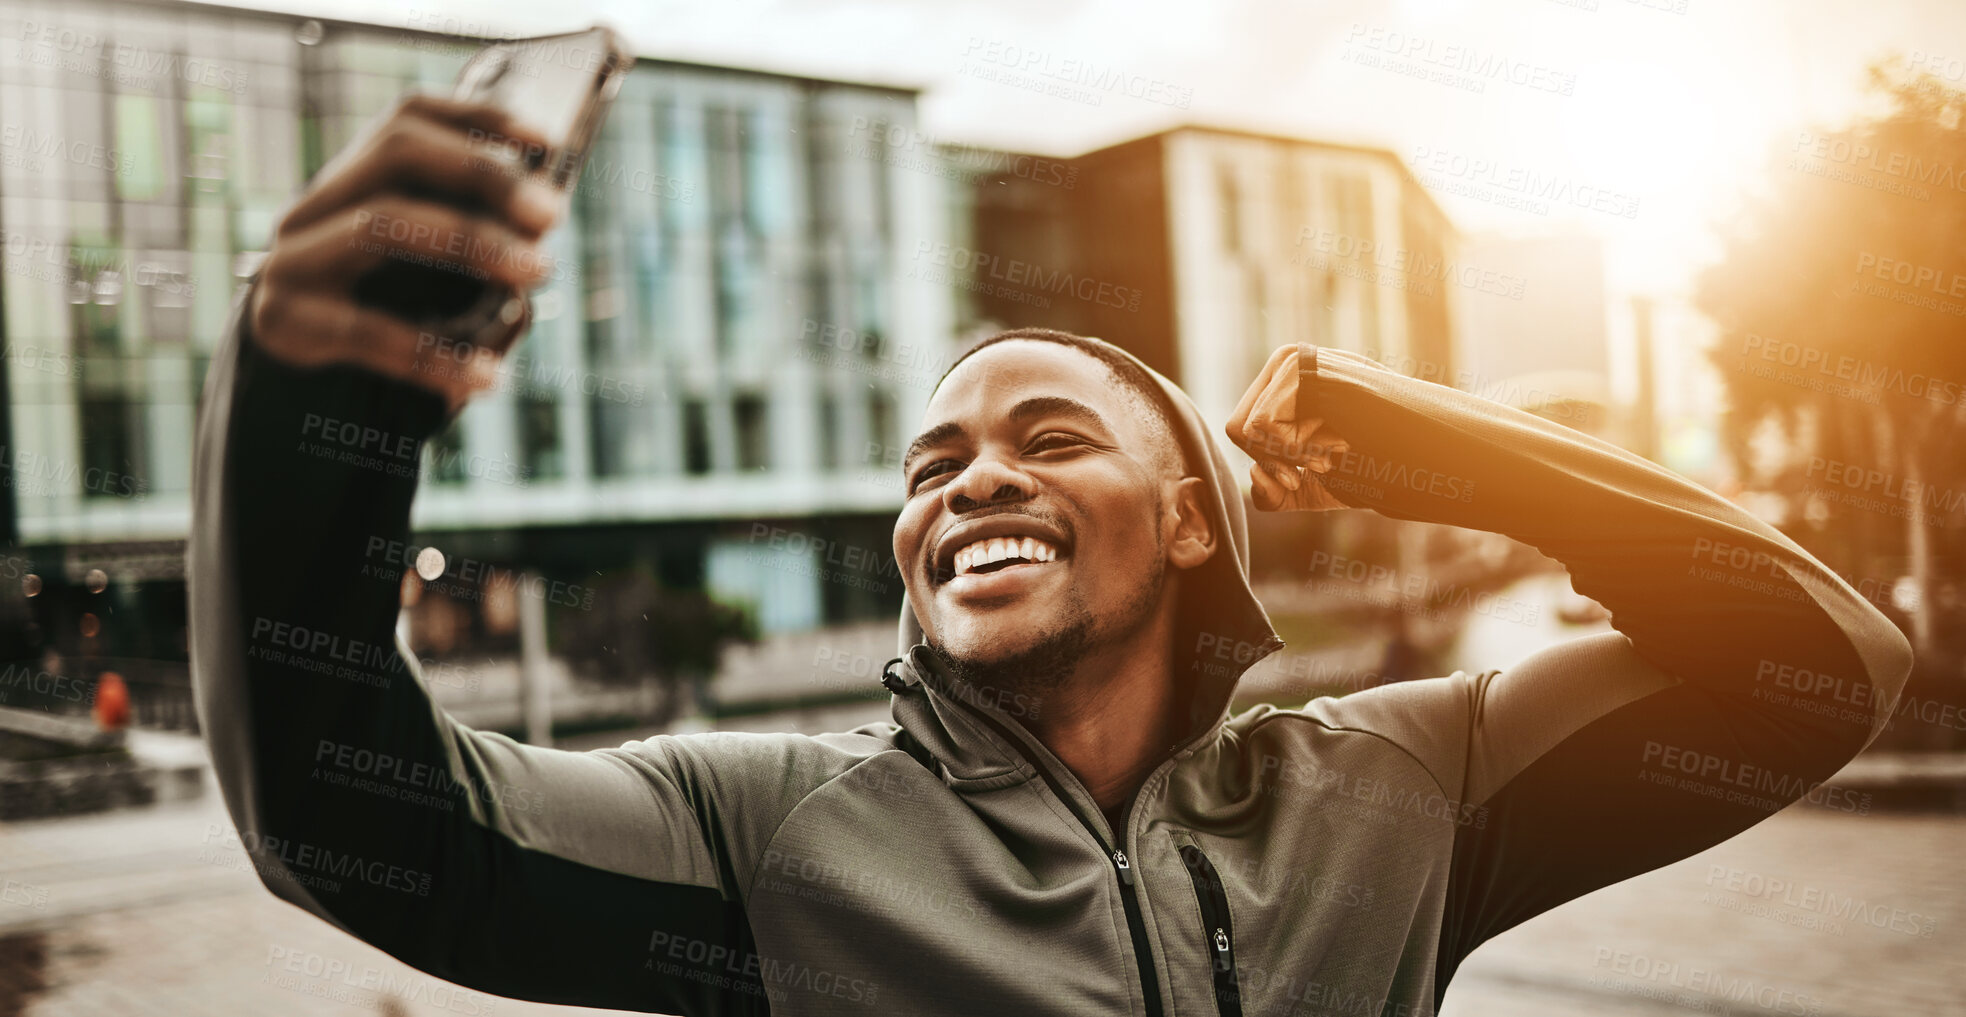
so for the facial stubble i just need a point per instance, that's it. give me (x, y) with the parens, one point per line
(1050, 659)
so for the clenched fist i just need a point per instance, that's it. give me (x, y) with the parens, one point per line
(1292, 455)
(423, 187)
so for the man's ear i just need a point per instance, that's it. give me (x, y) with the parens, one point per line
(1191, 533)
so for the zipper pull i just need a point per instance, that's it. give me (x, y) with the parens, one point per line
(1126, 870)
(1221, 942)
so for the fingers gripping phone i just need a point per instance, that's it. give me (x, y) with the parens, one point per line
(559, 85)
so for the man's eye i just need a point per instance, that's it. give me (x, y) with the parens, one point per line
(940, 467)
(1054, 440)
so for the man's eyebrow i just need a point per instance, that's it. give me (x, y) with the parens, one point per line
(1047, 406)
(929, 439)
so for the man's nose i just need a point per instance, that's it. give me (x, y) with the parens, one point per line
(988, 480)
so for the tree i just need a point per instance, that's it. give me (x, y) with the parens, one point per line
(638, 632)
(1841, 300)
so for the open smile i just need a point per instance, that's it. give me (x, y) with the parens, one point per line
(996, 545)
(994, 554)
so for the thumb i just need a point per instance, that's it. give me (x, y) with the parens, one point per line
(1272, 484)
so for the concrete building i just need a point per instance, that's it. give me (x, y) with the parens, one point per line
(721, 345)
(1541, 341)
(1556, 319)
(1202, 249)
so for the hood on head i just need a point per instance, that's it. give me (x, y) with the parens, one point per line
(1222, 628)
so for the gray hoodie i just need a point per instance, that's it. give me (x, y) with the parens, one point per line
(1341, 857)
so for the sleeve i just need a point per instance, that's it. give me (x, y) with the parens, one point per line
(1742, 673)
(610, 878)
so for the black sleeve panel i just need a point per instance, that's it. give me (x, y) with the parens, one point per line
(518, 870)
(1743, 671)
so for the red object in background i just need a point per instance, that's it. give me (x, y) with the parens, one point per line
(112, 709)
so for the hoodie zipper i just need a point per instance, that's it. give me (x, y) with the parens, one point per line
(1136, 925)
(1216, 929)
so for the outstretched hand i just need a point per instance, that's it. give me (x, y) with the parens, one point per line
(1292, 455)
(424, 185)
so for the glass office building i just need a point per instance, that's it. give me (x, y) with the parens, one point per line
(715, 349)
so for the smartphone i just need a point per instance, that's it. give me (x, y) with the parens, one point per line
(560, 85)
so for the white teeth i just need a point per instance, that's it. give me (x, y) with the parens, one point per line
(995, 549)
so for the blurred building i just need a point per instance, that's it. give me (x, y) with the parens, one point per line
(1554, 321)
(1678, 398)
(1556, 341)
(1539, 342)
(1202, 249)
(721, 345)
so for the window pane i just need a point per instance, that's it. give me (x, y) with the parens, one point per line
(829, 432)
(141, 169)
(696, 437)
(539, 436)
(753, 432)
(446, 452)
(109, 444)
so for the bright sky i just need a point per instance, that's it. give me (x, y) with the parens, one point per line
(1674, 105)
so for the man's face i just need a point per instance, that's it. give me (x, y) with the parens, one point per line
(1032, 441)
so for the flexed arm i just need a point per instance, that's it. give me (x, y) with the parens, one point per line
(1741, 675)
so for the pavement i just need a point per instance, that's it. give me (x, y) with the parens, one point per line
(1811, 913)
(147, 912)
(144, 912)
(1814, 913)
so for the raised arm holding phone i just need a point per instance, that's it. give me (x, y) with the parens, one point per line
(1063, 817)
(420, 187)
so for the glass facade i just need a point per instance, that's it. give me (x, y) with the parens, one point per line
(150, 150)
(141, 154)
(671, 376)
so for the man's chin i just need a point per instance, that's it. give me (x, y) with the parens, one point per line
(986, 644)
(983, 654)
(1014, 647)
(998, 629)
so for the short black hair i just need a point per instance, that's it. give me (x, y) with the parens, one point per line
(1168, 450)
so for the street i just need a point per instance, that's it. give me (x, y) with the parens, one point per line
(148, 911)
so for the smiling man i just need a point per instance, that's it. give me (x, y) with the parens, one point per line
(1049, 518)
(1062, 817)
